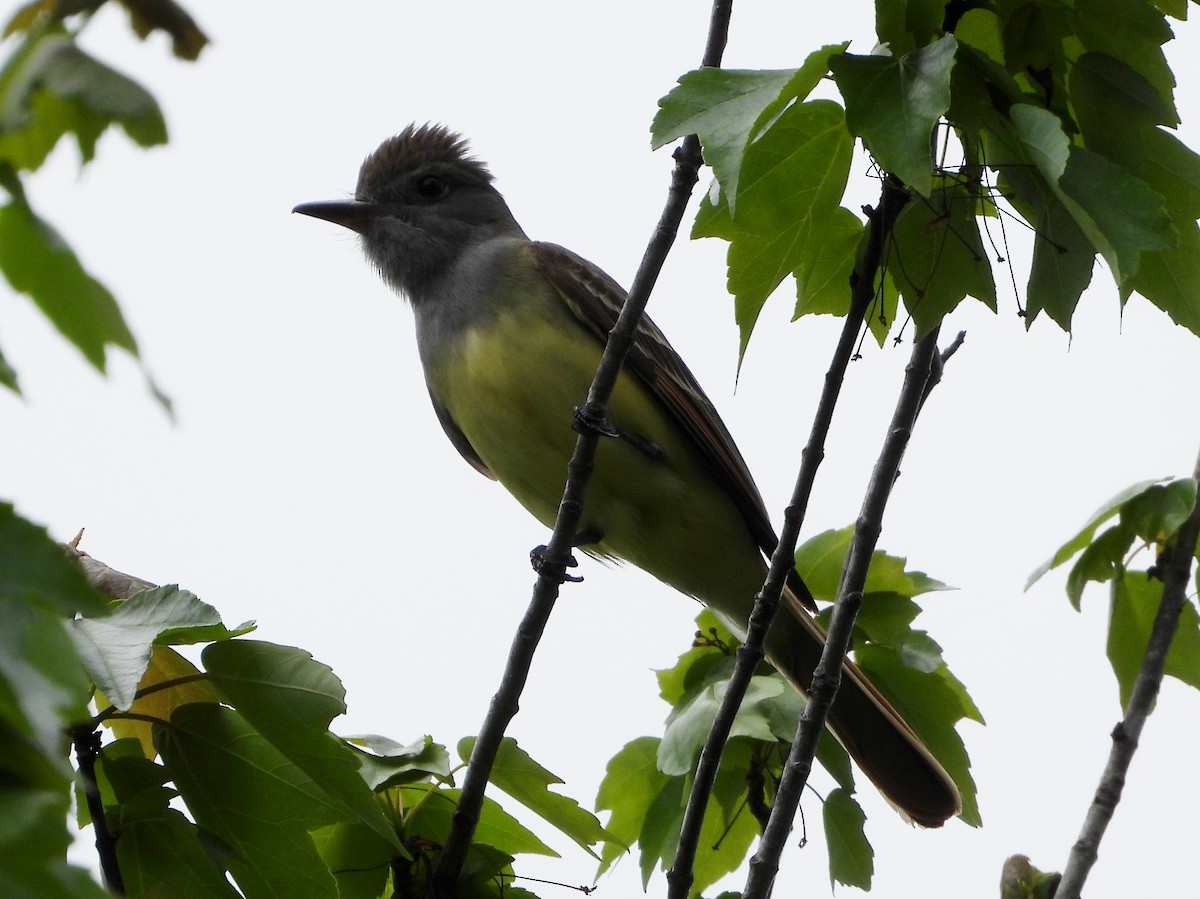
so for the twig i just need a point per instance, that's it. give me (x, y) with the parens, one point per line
(1126, 734)
(766, 604)
(87, 749)
(765, 863)
(504, 704)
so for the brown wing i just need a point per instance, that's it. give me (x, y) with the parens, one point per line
(596, 299)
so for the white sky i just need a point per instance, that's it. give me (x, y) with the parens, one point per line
(307, 484)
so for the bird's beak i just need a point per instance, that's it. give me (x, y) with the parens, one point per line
(352, 214)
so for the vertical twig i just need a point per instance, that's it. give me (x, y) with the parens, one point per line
(504, 704)
(766, 604)
(765, 863)
(87, 750)
(1126, 734)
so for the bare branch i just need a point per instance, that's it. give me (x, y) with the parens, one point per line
(557, 554)
(766, 604)
(765, 863)
(1126, 734)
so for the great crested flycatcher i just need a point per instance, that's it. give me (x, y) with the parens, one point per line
(510, 332)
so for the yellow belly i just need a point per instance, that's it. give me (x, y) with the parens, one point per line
(511, 387)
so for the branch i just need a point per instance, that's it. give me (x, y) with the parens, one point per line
(87, 748)
(1126, 734)
(765, 863)
(557, 554)
(766, 604)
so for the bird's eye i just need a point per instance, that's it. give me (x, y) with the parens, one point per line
(432, 188)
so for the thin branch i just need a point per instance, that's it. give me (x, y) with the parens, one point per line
(766, 604)
(557, 554)
(87, 749)
(1126, 734)
(765, 863)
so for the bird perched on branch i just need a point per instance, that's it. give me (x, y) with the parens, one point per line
(510, 332)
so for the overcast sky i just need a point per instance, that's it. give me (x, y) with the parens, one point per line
(307, 484)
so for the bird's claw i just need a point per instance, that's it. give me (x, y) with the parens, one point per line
(557, 568)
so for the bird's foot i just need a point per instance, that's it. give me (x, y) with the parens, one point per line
(589, 419)
(556, 568)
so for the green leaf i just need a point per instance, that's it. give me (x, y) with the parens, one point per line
(1043, 140)
(33, 566)
(291, 698)
(33, 848)
(1156, 513)
(1100, 561)
(1032, 37)
(187, 40)
(728, 829)
(726, 108)
(159, 851)
(819, 561)
(43, 690)
(159, 701)
(1108, 510)
(1135, 601)
(905, 24)
(1063, 260)
(1172, 169)
(660, 831)
(937, 256)
(631, 783)
(1132, 31)
(1115, 107)
(792, 182)
(388, 764)
(893, 104)
(851, 858)
(50, 88)
(37, 261)
(1021, 880)
(8, 376)
(823, 275)
(116, 649)
(526, 781)
(1118, 211)
(689, 724)
(166, 858)
(224, 769)
(432, 811)
(358, 858)
(1170, 279)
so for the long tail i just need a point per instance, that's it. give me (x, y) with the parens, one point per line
(877, 738)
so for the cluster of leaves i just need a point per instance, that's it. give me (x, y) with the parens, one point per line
(1148, 516)
(50, 87)
(647, 782)
(275, 802)
(1056, 107)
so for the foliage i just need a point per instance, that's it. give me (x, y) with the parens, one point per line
(1148, 516)
(646, 783)
(1056, 113)
(223, 777)
(50, 88)
(241, 743)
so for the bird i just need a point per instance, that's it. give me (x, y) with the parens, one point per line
(509, 334)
